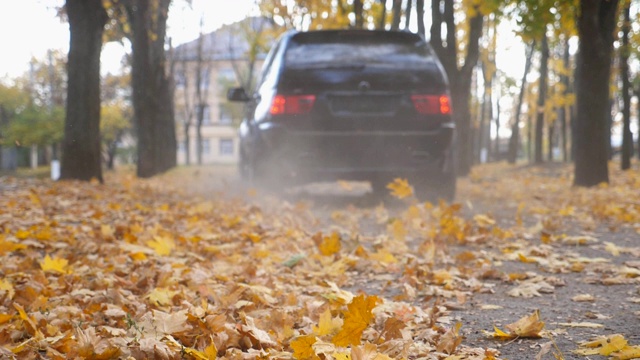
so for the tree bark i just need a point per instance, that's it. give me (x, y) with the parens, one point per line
(627, 136)
(565, 111)
(81, 156)
(596, 23)
(358, 12)
(383, 15)
(396, 14)
(420, 16)
(542, 97)
(514, 140)
(459, 77)
(152, 100)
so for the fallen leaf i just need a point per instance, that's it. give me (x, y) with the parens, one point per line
(583, 298)
(400, 188)
(303, 347)
(55, 265)
(356, 319)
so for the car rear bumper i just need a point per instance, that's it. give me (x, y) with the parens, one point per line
(332, 155)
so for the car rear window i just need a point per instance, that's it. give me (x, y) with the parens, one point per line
(356, 47)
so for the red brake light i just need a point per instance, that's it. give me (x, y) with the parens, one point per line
(292, 104)
(432, 104)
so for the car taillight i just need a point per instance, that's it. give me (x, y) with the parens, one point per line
(432, 104)
(292, 104)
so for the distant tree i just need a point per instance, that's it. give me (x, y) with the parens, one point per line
(81, 155)
(514, 140)
(542, 98)
(627, 136)
(202, 84)
(116, 115)
(152, 95)
(459, 71)
(596, 24)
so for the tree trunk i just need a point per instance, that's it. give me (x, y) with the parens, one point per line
(459, 78)
(565, 111)
(627, 136)
(420, 15)
(407, 14)
(396, 14)
(596, 23)
(81, 155)
(358, 12)
(542, 97)
(496, 148)
(514, 140)
(151, 89)
(383, 15)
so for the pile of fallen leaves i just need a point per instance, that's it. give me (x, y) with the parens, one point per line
(139, 269)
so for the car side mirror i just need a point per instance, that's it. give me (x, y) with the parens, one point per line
(237, 94)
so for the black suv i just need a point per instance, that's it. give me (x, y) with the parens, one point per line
(351, 105)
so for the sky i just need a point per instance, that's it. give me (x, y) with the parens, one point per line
(30, 28)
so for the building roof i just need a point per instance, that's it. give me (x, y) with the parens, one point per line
(230, 42)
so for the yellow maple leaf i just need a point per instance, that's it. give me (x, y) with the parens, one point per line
(330, 244)
(400, 188)
(629, 352)
(356, 320)
(8, 246)
(55, 265)
(527, 327)
(162, 245)
(303, 347)
(7, 287)
(161, 296)
(327, 324)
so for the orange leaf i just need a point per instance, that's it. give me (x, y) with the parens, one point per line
(527, 327)
(303, 347)
(330, 244)
(356, 320)
(400, 188)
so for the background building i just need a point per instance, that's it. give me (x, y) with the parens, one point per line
(204, 69)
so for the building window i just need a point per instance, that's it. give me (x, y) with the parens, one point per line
(226, 147)
(225, 115)
(206, 147)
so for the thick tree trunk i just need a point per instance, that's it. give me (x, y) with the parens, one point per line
(627, 136)
(542, 97)
(151, 89)
(514, 140)
(81, 155)
(459, 77)
(596, 23)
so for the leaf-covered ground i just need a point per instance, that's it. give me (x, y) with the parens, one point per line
(192, 265)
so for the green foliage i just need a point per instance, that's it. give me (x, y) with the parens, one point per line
(114, 122)
(35, 125)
